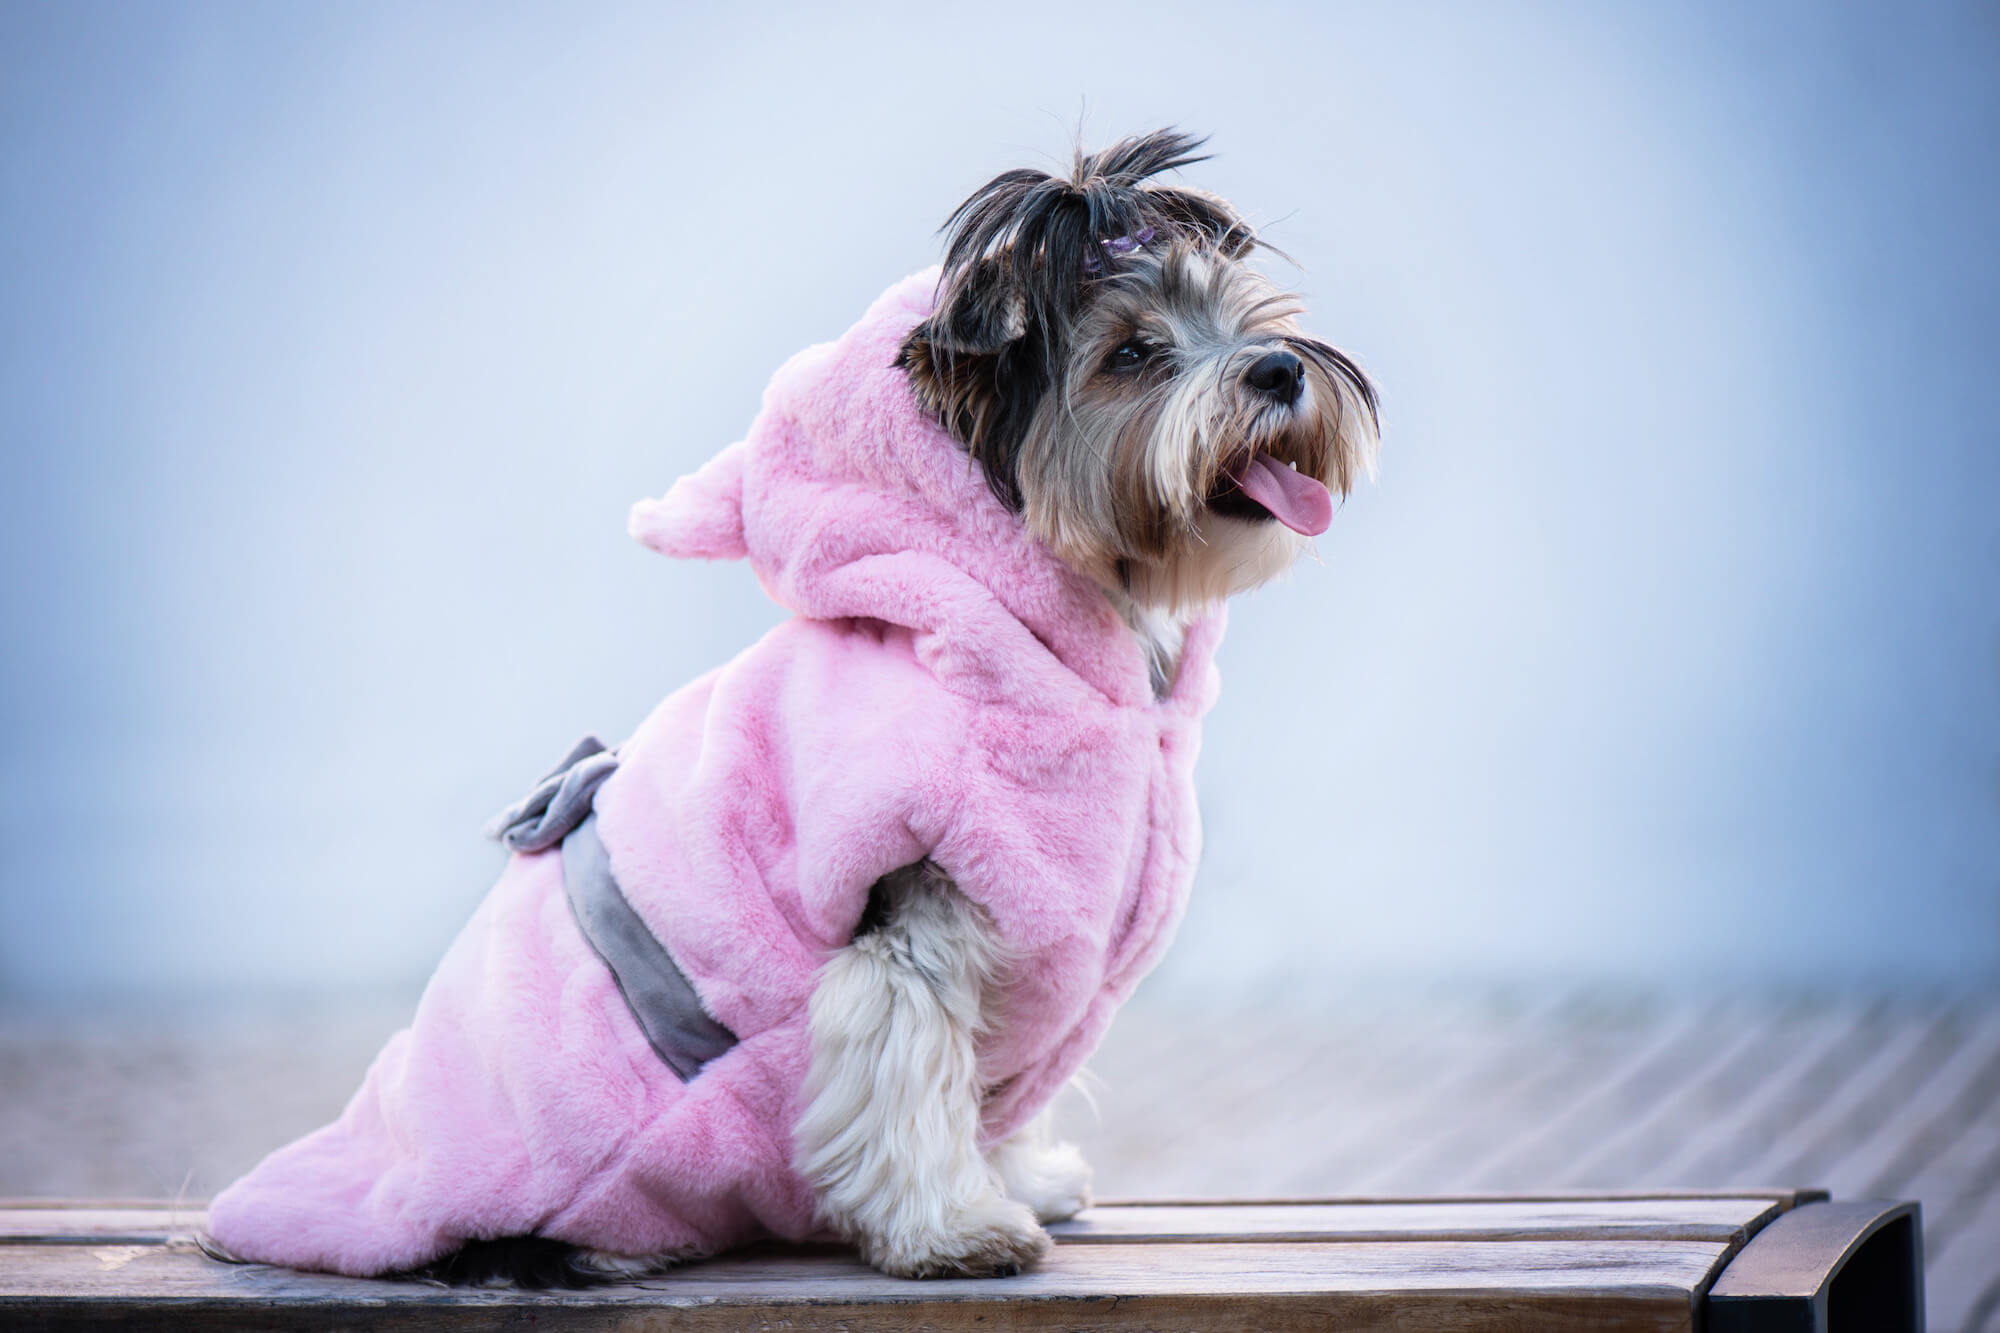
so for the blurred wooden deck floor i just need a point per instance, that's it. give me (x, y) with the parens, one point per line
(1259, 1097)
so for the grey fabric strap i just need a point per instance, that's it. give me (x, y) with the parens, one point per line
(559, 802)
(657, 992)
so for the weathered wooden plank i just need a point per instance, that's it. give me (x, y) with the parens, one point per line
(1520, 1285)
(1788, 1197)
(1874, 1097)
(1637, 1147)
(1823, 1094)
(1751, 1118)
(1712, 1219)
(1724, 1220)
(92, 1205)
(1649, 1104)
(1388, 1073)
(1537, 1148)
(1957, 1185)
(1959, 1101)
(1962, 1252)
(1485, 1066)
(53, 1225)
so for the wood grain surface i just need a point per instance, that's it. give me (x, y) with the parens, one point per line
(1575, 1264)
(1725, 1218)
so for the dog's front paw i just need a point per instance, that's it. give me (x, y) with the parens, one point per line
(1051, 1178)
(996, 1237)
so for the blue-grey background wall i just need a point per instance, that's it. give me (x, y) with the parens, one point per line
(337, 338)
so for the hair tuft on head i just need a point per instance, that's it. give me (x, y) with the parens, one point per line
(1045, 234)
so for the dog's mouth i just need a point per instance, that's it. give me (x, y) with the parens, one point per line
(1257, 486)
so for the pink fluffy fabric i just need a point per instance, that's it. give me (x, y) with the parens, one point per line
(945, 689)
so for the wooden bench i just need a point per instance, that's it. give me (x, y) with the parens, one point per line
(1723, 1262)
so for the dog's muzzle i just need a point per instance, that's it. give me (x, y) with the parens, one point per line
(560, 810)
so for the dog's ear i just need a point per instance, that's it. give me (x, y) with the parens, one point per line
(974, 366)
(980, 313)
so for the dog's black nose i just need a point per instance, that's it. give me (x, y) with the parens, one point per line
(1280, 374)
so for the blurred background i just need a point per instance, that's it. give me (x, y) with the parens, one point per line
(1661, 663)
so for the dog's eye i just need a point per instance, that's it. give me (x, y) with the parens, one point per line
(1131, 355)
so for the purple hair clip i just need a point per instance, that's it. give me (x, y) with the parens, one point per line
(1117, 245)
(1125, 245)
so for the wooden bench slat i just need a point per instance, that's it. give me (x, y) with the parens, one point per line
(1663, 1219)
(1549, 1284)
(1789, 1198)
(98, 1226)
(1715, 1219)
(1568, 1262)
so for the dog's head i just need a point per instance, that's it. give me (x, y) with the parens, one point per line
(1130, 385)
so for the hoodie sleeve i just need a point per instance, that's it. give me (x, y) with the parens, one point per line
(753, 810)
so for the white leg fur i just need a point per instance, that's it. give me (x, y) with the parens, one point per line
(890, 1135)
(1050, 1177)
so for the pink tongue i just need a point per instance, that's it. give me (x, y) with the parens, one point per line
(1294, 499)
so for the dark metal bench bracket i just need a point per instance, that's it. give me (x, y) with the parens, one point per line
(1826, 1268)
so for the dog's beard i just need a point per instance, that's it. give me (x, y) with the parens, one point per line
(1175, 479)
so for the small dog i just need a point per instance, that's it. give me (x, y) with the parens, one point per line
(1012, 649)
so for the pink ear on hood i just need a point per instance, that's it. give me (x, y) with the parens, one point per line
(701, 515)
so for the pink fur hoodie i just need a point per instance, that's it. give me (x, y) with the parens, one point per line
(945, 689)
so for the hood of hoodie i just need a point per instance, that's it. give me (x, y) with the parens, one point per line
(848, 500)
